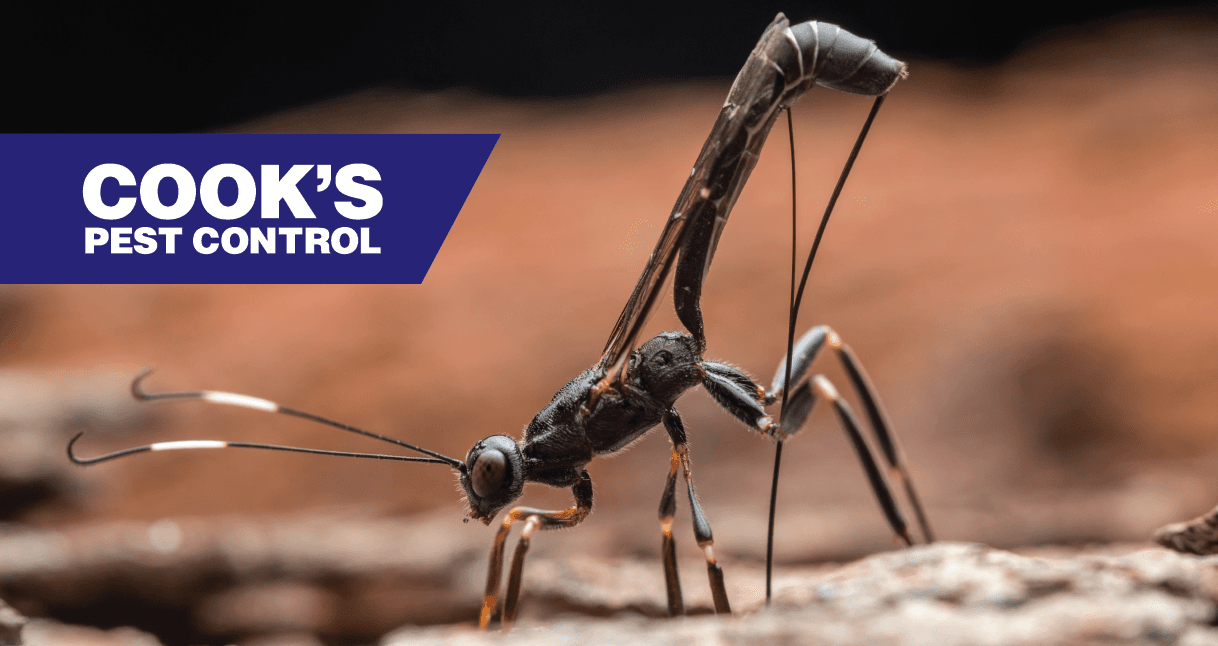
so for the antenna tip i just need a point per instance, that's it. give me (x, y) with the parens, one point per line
(71, 442)
(137, 391)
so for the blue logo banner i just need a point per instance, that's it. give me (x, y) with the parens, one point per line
(235, 209)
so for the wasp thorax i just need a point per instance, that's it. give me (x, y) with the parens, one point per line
(668, 365)
(487, 475)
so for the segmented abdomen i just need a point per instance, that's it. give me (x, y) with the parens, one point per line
(841, 60)
(789, 60)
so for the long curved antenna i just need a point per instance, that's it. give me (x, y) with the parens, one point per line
(795, 302)
(837, 191)
(218, 444)
(265, 405)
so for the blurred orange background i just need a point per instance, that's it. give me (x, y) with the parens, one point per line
(1025, 258)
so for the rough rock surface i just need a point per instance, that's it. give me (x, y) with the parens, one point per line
(941, 595)
(1197, 536)
(341, 581)
(225, 580)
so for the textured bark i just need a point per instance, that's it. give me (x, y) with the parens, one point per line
(944, 594)
(1197, 536)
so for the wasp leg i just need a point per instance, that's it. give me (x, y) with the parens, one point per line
(882, 427)
(668, 510)
(737, 393)
(883, 491)
(799, 406)
(535, 519)
(804, 352)
(702, 528)
(745, 400)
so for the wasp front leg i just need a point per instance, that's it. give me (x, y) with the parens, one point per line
(534, 519)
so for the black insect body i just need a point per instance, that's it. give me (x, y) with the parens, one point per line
(573, 429)
(566, 435)
(631, 391)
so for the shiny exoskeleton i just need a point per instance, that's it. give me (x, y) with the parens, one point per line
(566, 434)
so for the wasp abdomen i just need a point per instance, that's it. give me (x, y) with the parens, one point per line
(836, 58)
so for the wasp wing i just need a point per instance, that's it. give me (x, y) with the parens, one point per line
(651, 283)
(692, 231)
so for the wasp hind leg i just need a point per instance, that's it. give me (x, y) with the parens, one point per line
(805, 352)
(737, 393)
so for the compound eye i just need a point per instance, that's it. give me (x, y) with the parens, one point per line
(488, 474)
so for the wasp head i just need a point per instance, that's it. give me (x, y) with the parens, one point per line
(493, 476)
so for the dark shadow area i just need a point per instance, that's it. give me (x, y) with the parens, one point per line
(1067, 388)
(130, 68)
